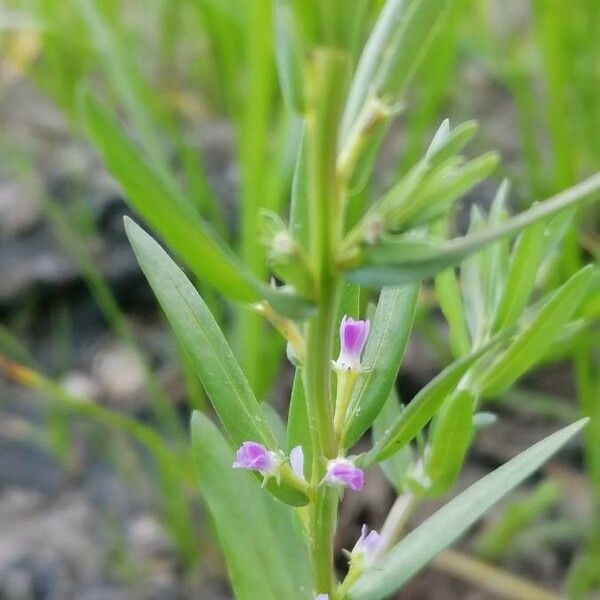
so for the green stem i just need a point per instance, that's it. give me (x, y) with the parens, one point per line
(326, 73)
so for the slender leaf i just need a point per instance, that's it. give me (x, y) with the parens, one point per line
(200, 335)
(197, 331)
(450, 440)
(522, 271)
(260, 537)
(158, 201)
(403, 259)
(383, 354)
(370, 61)
(395, 467)
(532, 343)
(448, 524)
(423, 406)
(448, 295)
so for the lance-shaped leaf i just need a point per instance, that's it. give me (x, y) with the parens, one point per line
(423, 407)
(158, 200)
(533, 342)
(448, 524)
(449, 442)
(404, 259)
(520, 280)
(383, 354)
(394, 50)
(395, 467)
(197, 331)
(260, 537)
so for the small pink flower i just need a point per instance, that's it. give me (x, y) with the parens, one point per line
(343, 472)
(367, 546)
(256, 457)
(353, 336)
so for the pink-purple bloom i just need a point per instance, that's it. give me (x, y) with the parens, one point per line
(322, 597)
(256, 457)
(353, 336)
(367, 547)
(343, 472)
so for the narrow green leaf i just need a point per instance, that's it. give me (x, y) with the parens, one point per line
(299, 201)
(437, 198)
(447, 525)
(159, 203)
(383, 354)
(532, 343)
(130, 87)
(397, 260)
(370, 61)
(472, 283)
(201, 337)
(450, 440)
(260, 537)
(394, 51)
(423, 407)
(418, 25)
(197, 331)
(395, 467)
(496, 256)
(524, 262)
(453, 143)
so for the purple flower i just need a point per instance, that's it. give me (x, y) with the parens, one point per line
(367, 546)
(353, 336)
(256, 457)
(297, 462)
(345, 473)
(322, 597)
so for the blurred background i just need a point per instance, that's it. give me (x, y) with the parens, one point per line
(95, 393)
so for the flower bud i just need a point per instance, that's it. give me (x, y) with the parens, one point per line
(344, 473)
(255, 457)
(353, 336)
(367, 547)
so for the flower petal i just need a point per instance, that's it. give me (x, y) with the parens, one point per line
(297, 461)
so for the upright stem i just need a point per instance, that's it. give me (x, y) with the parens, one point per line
(326, 74)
